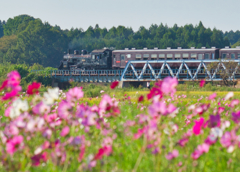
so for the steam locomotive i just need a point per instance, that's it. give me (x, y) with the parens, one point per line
(117, 59)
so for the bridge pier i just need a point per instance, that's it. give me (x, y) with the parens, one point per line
(124, 84)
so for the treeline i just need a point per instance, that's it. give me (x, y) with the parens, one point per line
(25, 39)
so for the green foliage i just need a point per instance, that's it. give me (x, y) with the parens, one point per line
(29, 40)
(27, 77)
(2, 23)
(233, 37)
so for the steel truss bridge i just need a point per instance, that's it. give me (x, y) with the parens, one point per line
(144, 70)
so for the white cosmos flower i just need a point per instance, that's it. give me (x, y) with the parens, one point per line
(230, 149)
(228, 96)
(51, 96)
(216, 132)
(18, 107)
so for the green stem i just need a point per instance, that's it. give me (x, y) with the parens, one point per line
(141, 155)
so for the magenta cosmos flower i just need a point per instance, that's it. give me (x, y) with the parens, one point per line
(202, 83)
(13, 144)
(198, 125)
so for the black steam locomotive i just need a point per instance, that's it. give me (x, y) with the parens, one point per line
(97, 59)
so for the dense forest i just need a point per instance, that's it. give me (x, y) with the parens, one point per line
(25, 39)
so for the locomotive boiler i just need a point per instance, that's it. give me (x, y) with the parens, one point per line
(97, 59)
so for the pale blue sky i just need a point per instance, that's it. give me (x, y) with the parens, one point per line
(222, 14)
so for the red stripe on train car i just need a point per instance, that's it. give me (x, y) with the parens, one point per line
(117, 61)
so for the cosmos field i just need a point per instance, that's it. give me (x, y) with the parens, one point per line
(161, 129)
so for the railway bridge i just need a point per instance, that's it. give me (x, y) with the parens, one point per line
(148, 70)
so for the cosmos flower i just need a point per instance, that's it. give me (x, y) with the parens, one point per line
(198, 125)
(13, 144)
(64, 131)
(202, 83)
(172, 154)
(51, 96)
(74, 94)
(18, 106)
(33, 88)
(114, 84)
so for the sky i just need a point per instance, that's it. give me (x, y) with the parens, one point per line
(221, 14)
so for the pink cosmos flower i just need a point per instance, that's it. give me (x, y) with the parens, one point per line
(221, 109)
(160, 108)
(183, 142)
(169, 84)
(196, 154)
(198, 125)
(108, 105)
(41, 108)
(234, 103)
(4, 84)
(203, 148)
(87, 115)
(212, 96)
(114, 84)
(106, 150)
(228, 139)
(13, 144)
(202, 83)
(14, 78)
(7, 111)
(155, 92)
(74, 94)
(64, 131)
(13, 93)
(64, 109)
(201, 109)
(172, 154)
(139, 133)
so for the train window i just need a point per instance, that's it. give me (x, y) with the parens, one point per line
(206, 56)
(122, 56)
(162, 56)
(224, 56)
(114, 60)
(212, 55)
(238, 56)
(153, 56)
(93, 57)
(138, 56)
(177, 55)
(232, 56)
(169, 56)
(200, 56)
(146, 55)
(193, 56)
(128, 55)
(185, 55)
